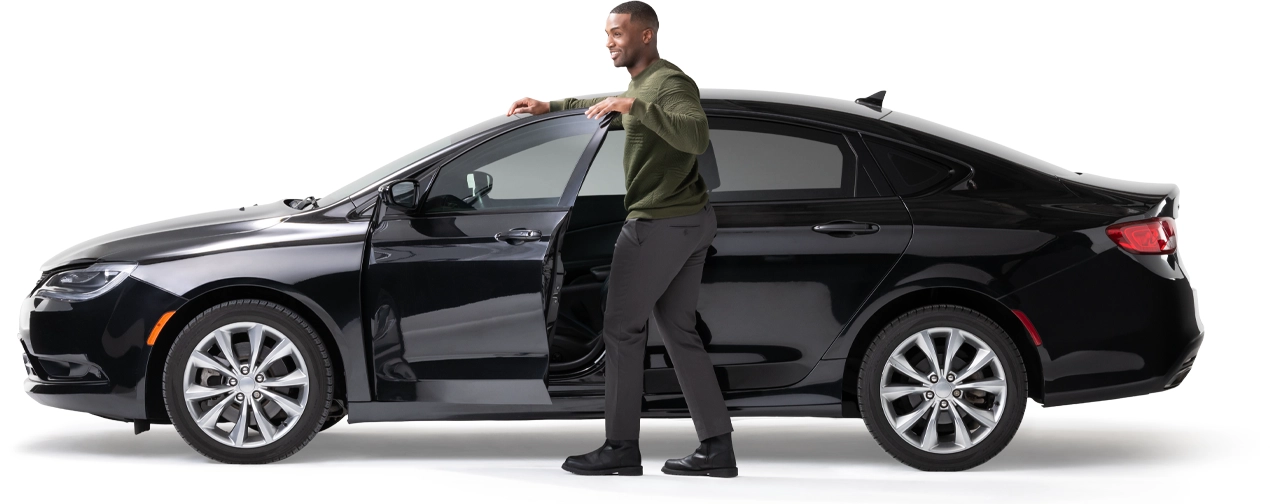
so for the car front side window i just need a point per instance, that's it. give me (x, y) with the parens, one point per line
(528, 167)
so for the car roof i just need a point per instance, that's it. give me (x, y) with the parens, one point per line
(751, 100)
(834, 111)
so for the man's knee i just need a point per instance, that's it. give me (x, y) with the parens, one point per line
(625, 329)
(674, 308)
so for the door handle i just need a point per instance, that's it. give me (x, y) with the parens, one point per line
(846, 229)
(516, 236)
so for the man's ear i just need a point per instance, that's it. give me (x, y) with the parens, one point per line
(647, 36)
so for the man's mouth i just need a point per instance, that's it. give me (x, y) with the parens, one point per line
(613, 54)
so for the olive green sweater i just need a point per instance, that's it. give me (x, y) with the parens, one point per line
(665, 131)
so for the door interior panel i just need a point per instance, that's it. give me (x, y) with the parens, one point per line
(586, 253)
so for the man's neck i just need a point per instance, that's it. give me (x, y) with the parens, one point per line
(642, 64)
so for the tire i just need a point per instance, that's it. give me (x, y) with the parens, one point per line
(994, 392)
(291, 391)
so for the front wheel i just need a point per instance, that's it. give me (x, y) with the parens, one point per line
(248, 382)
(942, 388)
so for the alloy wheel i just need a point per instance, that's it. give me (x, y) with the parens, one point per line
(943, 390)
(246, 384)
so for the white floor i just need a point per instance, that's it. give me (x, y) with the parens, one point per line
(1158, 448)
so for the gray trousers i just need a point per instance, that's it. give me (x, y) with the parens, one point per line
(656, 270)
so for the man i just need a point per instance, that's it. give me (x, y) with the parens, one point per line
(659, 253)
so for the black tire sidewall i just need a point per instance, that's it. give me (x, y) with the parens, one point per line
(306, 341)
(941, 316)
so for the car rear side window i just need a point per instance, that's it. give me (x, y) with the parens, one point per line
(523, 168)
(912, 172)
(753, 160)
(764, 161)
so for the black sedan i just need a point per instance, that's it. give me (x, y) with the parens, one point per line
(867, 264)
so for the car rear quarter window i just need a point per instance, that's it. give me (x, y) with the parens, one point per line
(755, 160)
(992, 174)
(912, 171)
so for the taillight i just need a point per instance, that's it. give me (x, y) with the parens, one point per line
(1157, 235)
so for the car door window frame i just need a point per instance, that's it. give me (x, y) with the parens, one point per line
(851, 137)
(758, 126)
(867, 165)
(426, 176)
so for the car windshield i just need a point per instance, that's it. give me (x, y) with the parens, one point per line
(408, 159)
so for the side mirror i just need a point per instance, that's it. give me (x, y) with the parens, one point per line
(403, 194)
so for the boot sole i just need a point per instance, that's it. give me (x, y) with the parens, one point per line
(718, 472)
(617, 471)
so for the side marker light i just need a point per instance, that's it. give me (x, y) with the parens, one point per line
(1031, 329)
(158, 328)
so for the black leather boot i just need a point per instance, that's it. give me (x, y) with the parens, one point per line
(613, 457)
(713, 458)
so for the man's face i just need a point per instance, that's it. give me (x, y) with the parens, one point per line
(625, 40)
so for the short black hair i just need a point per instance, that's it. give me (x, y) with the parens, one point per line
(640, 13)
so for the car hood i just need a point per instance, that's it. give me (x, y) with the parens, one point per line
(136, 243)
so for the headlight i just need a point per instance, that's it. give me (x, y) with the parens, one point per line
(84, 284)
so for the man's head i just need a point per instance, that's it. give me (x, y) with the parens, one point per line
(632, 33)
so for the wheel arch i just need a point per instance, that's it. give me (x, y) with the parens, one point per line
(959, 296)
(155, 410)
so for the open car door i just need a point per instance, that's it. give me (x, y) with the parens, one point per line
(461, 292)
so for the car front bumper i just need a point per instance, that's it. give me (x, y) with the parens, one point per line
(92, 355)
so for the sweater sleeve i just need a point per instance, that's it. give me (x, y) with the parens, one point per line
(572, 103)
(675, 114)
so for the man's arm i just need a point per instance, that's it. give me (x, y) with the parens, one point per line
(572, 103)
(535, 107)
(676, 116)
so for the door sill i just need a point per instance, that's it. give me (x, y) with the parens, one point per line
(576, 390)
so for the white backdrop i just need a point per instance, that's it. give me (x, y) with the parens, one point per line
(114, 114)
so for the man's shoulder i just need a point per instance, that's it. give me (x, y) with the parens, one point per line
(669, 75)
(668, 70)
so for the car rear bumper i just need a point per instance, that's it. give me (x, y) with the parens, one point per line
(1170, 379)
(1117, 325)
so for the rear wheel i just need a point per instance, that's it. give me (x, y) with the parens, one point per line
(942, 388)
(248, 382)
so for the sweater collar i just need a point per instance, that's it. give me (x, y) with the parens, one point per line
(657, 63)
